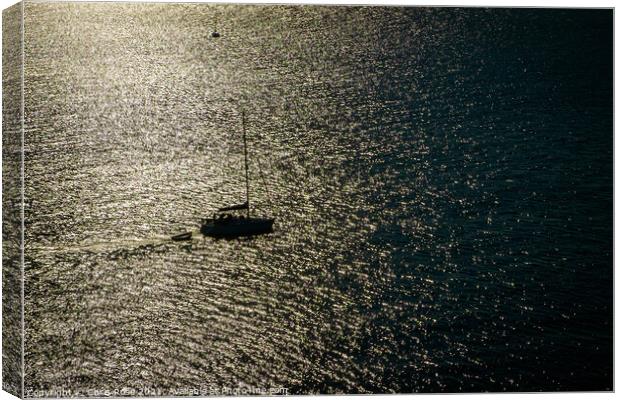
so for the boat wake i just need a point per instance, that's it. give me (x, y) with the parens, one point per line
(111, 245)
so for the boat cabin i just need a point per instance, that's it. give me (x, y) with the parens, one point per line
(220, 218)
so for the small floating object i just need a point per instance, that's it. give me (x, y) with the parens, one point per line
(182, 236)
(215, 34)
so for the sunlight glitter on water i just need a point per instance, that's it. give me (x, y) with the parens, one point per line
(435, 230)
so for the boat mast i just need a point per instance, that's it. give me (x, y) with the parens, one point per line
(247, 178)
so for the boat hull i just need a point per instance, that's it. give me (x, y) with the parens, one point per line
(237, 227)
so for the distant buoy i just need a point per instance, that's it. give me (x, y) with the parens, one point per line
(215, 34)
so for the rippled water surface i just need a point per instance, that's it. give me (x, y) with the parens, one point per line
(441, 179)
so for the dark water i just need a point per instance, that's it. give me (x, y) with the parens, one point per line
(441, 178)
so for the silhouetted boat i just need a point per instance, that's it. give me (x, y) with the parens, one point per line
(226, 225)
(215, 33)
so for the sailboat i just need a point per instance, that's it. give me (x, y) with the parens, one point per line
(215, 33)
(227, 225)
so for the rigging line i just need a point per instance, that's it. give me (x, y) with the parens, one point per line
(260, 170)
(270, 165)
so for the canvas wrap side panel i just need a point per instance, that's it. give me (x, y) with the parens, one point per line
(12, 204)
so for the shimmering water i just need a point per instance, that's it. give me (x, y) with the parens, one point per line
(441, 179)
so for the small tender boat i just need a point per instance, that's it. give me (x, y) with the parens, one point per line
(182, 236)
(226, 225)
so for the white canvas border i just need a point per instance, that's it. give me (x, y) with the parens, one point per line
(468, 3)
